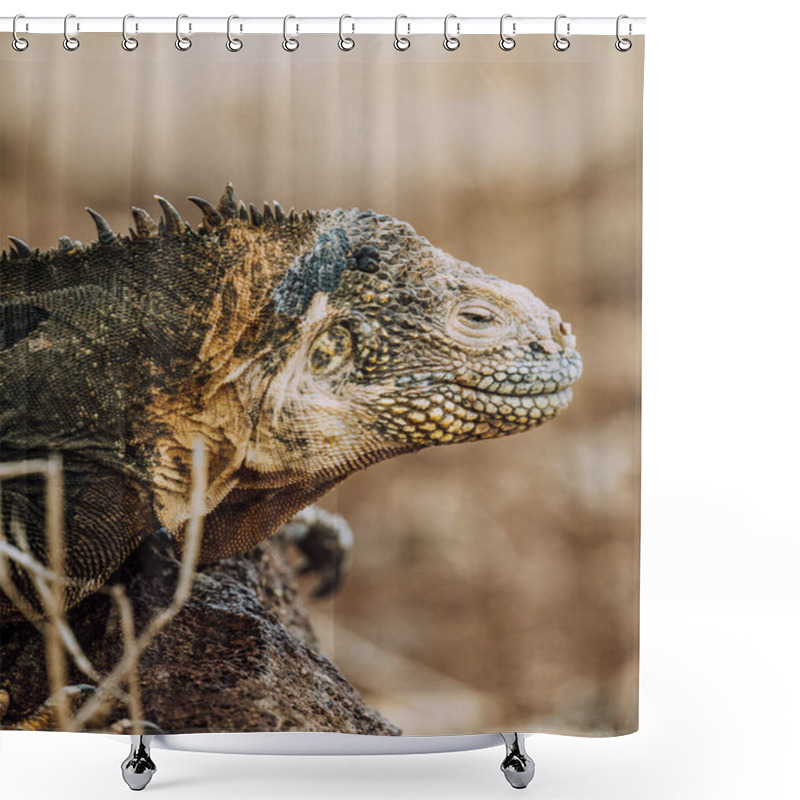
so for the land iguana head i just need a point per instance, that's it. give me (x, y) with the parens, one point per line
(398, 346)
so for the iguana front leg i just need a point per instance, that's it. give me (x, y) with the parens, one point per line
(326, 540)
(248, 516)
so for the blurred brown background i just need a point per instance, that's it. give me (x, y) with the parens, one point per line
(495, 585)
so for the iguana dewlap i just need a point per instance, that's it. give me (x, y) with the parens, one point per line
(299, 347)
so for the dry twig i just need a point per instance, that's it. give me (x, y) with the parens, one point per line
(50, 583)
(191, 552)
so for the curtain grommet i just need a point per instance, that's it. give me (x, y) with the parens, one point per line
(401, 43)
(233, 44)
(70, 43)
(129, 43)
(561, 43)
(17, 42)
(451, 43)
(289, 44)
(507, 42)
(623, 45)
(183, 43)
(346, 43)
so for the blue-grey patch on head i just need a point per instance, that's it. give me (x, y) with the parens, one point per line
(317, 270)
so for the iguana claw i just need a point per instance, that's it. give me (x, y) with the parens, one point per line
(326, 540)
(45, 717)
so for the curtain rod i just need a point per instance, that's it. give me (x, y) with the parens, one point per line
(459, 26)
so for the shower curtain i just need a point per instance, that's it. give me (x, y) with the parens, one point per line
(398, 403)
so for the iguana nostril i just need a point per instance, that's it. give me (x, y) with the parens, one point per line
(562, 332)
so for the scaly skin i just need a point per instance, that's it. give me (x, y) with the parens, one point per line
(300, 348)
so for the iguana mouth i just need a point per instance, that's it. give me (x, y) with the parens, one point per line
(504, 404)
(451, 412)
(506, 410)
(524, 381)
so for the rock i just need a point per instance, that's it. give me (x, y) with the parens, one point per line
(240, 656)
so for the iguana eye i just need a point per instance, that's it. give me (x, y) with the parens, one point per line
(330, 350)
(478, 322)
(477, 317)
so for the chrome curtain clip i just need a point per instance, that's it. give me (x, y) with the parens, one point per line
(129, 43)
(507, 42)
(70, 43)
(623, 45)
(17, 42)
(401, 42)
(561, 43)
(290, 44)
(182, 42)
(451, 42)
(233, 44)
(346, 42)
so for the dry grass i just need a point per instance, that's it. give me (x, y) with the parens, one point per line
(49, 584)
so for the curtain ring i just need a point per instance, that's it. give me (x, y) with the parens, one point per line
(507, 42)
(561, 43)
(182, 42)
(70, 42)
(289, 43)
(401, 42)
(129, 43)
(623, 45)
(346, 42)
(18, 43)
(451, 42)
(233, 44)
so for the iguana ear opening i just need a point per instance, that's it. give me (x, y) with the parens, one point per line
(331, 350)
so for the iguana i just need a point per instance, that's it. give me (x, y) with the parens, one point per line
(300, 347)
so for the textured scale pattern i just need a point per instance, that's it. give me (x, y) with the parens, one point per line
(299, 346)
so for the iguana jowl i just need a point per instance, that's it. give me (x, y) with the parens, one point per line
(300, 347)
